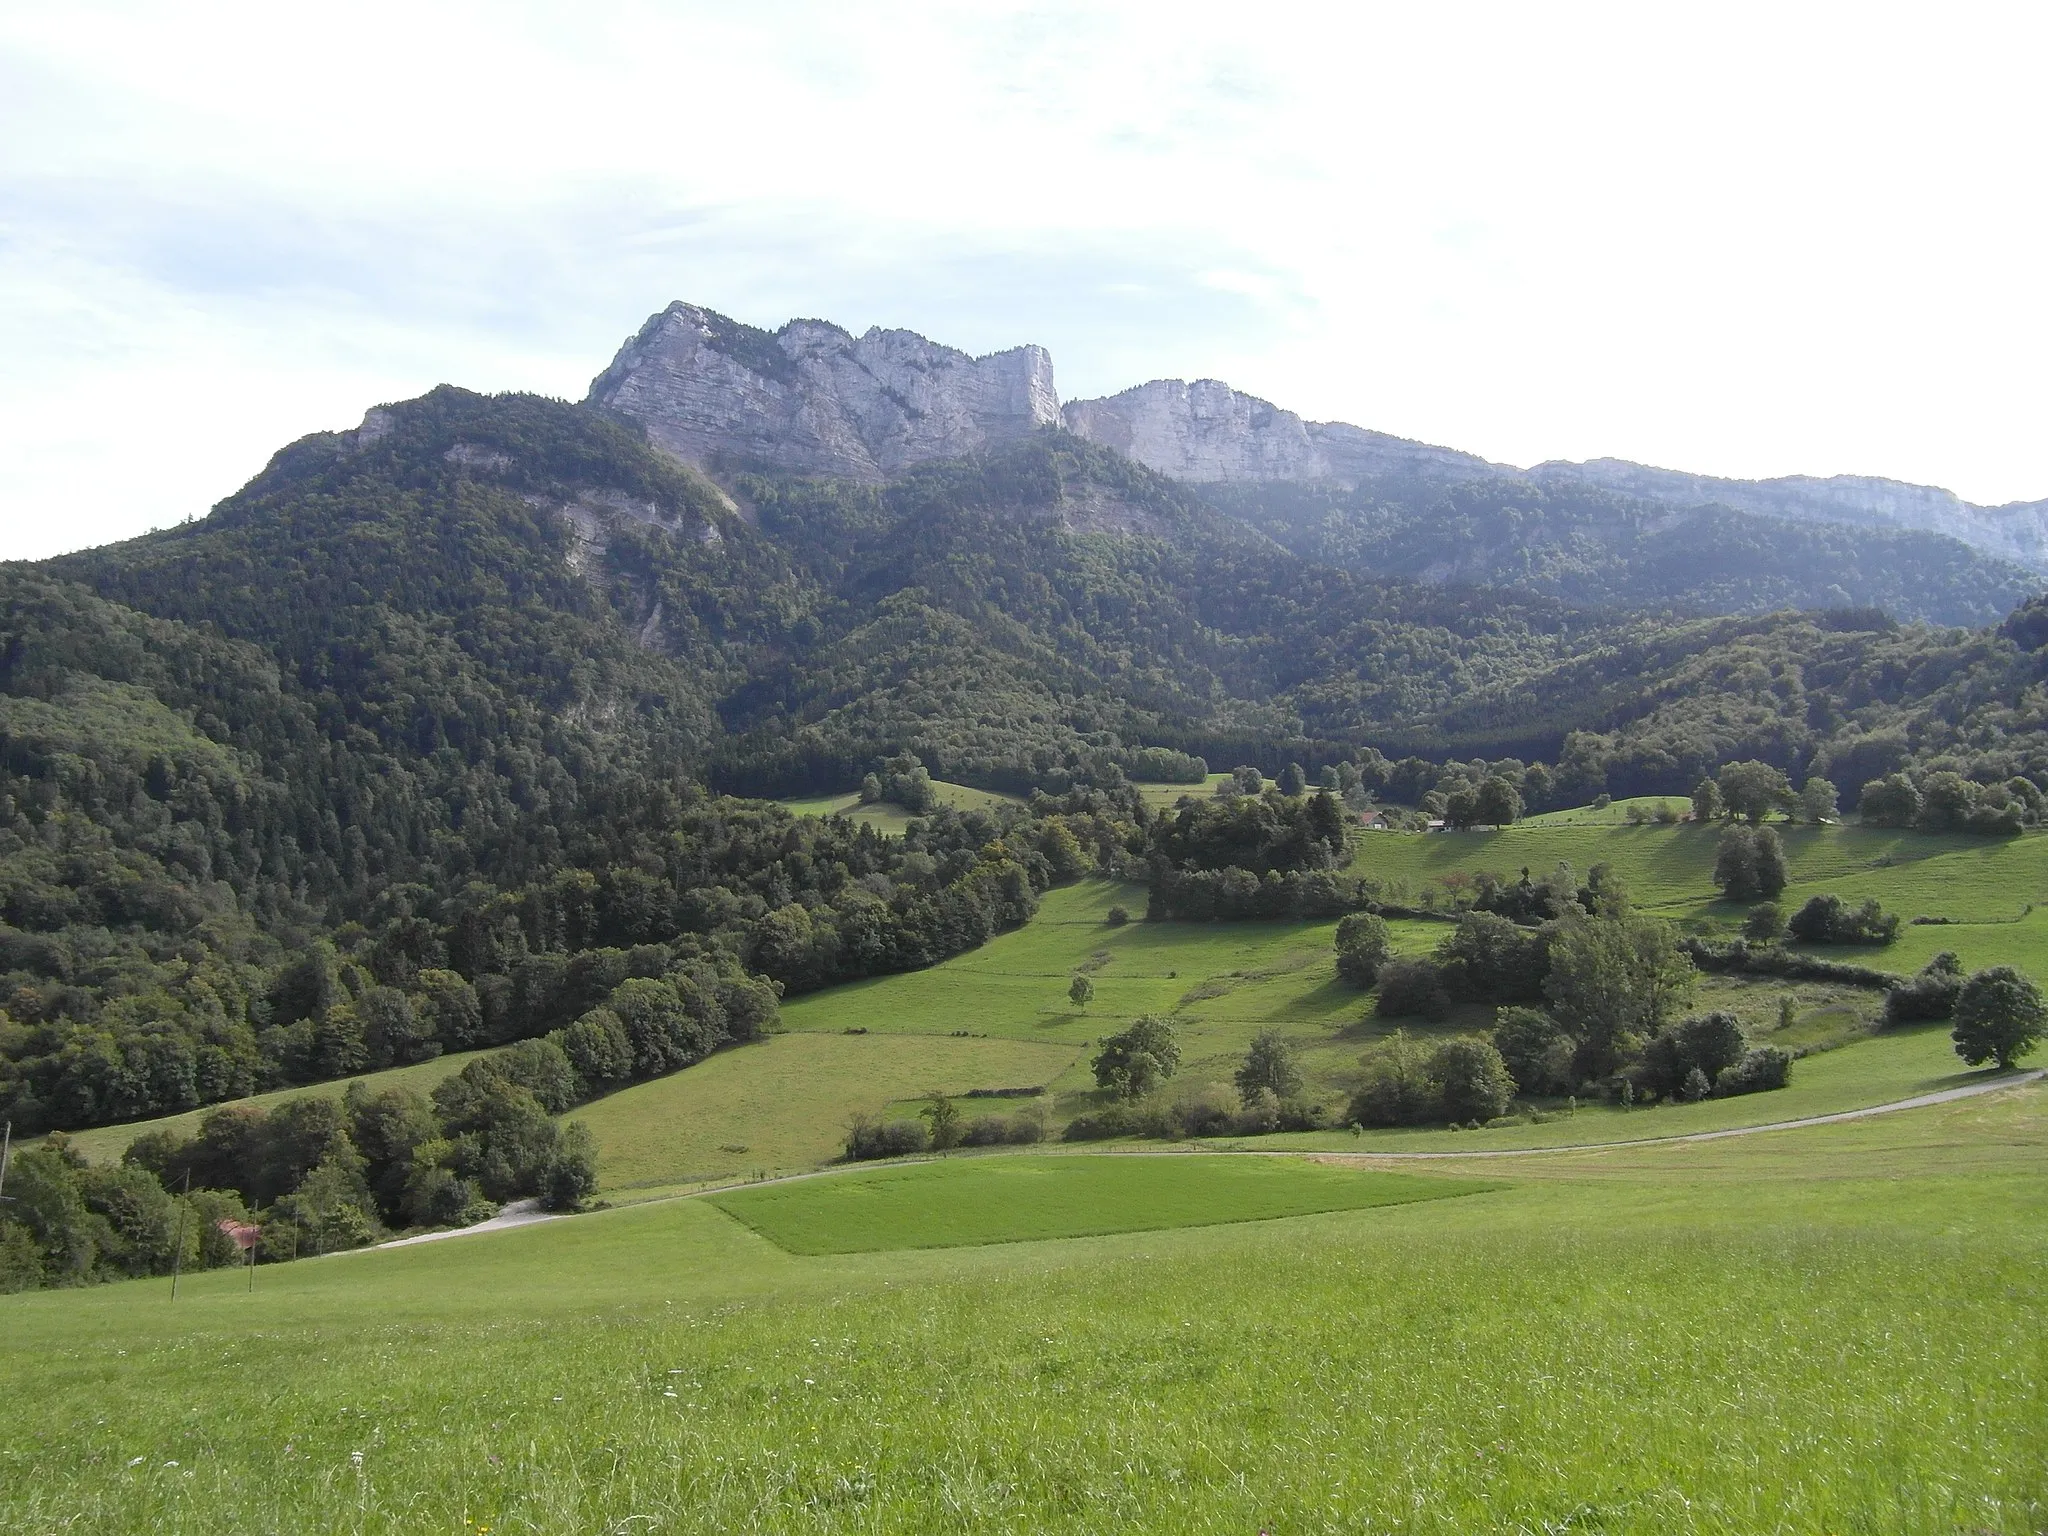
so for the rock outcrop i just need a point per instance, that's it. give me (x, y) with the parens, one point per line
(1208, 432)
(813, 399)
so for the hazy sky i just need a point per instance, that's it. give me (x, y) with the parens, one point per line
(1747, 240)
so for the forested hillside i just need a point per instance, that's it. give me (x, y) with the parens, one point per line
(445, 709)
(1599, 548)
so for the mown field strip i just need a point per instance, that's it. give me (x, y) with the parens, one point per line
(1023, 1199)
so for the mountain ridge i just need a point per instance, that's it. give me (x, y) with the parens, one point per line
(812, 398)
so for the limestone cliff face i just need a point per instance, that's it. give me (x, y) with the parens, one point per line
(1208, 432)
(812, 399)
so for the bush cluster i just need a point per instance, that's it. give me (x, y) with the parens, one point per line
(1830, 920)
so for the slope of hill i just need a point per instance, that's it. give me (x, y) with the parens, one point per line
(1594, 548)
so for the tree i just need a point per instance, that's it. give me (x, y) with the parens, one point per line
(1706, 1045)
(1765, 923)
(1817, 799)
(1999, 1017)
(1137, 1060)
(570, 1176)
(1750, 863)
(1612, 982)
(1536, 1048)
(598, 1048)
(1081, 991)
(1413, 988)
(1889, 802)
(1753, 790)
(1471, 1080)
(1292, 780)
(1489, 959)
(1773, 874)
(1706, 802)
(1498, 803)
(1396, 1088)
(1268, 1067)
(1363, 945)
(942, 1117)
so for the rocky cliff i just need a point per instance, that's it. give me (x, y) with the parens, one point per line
(1208, 432)
(813, 399)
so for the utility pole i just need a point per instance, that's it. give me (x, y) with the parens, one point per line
(6, 1147)
(178, 1253)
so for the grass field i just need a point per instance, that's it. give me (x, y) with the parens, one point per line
(1166, 796)
(783, 1104)
(1018, 1199)
(1823, 1331)
(785, 1107)
(892, 819)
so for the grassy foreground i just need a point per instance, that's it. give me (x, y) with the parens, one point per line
(1832, 1330)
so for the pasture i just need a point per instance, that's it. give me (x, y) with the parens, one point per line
(783, 1103)
(1000, 1016)
(965, 1201)
(887, 817)
(1836, 1329)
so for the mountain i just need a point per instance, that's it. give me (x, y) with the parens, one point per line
(1208, 432)
(812, 399)
(414, 742)
(1594, 548)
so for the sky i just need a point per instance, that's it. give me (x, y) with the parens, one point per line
(1736, 239)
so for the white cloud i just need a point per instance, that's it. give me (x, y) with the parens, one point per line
(1748, 240)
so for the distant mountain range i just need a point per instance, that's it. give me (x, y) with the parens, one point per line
(812, 398)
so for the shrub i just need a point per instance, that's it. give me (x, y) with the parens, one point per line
(1396, 1088)
(1759, 1071)
(1118, 916)
(867, 1138)
(1928, 996)
(1413, 988)
(1828, 920)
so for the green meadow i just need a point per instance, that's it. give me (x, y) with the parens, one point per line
(1817, 1331)
(888, 818)
(1000, 1016)
(965, 1201)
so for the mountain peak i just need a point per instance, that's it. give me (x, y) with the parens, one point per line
(811, 398)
